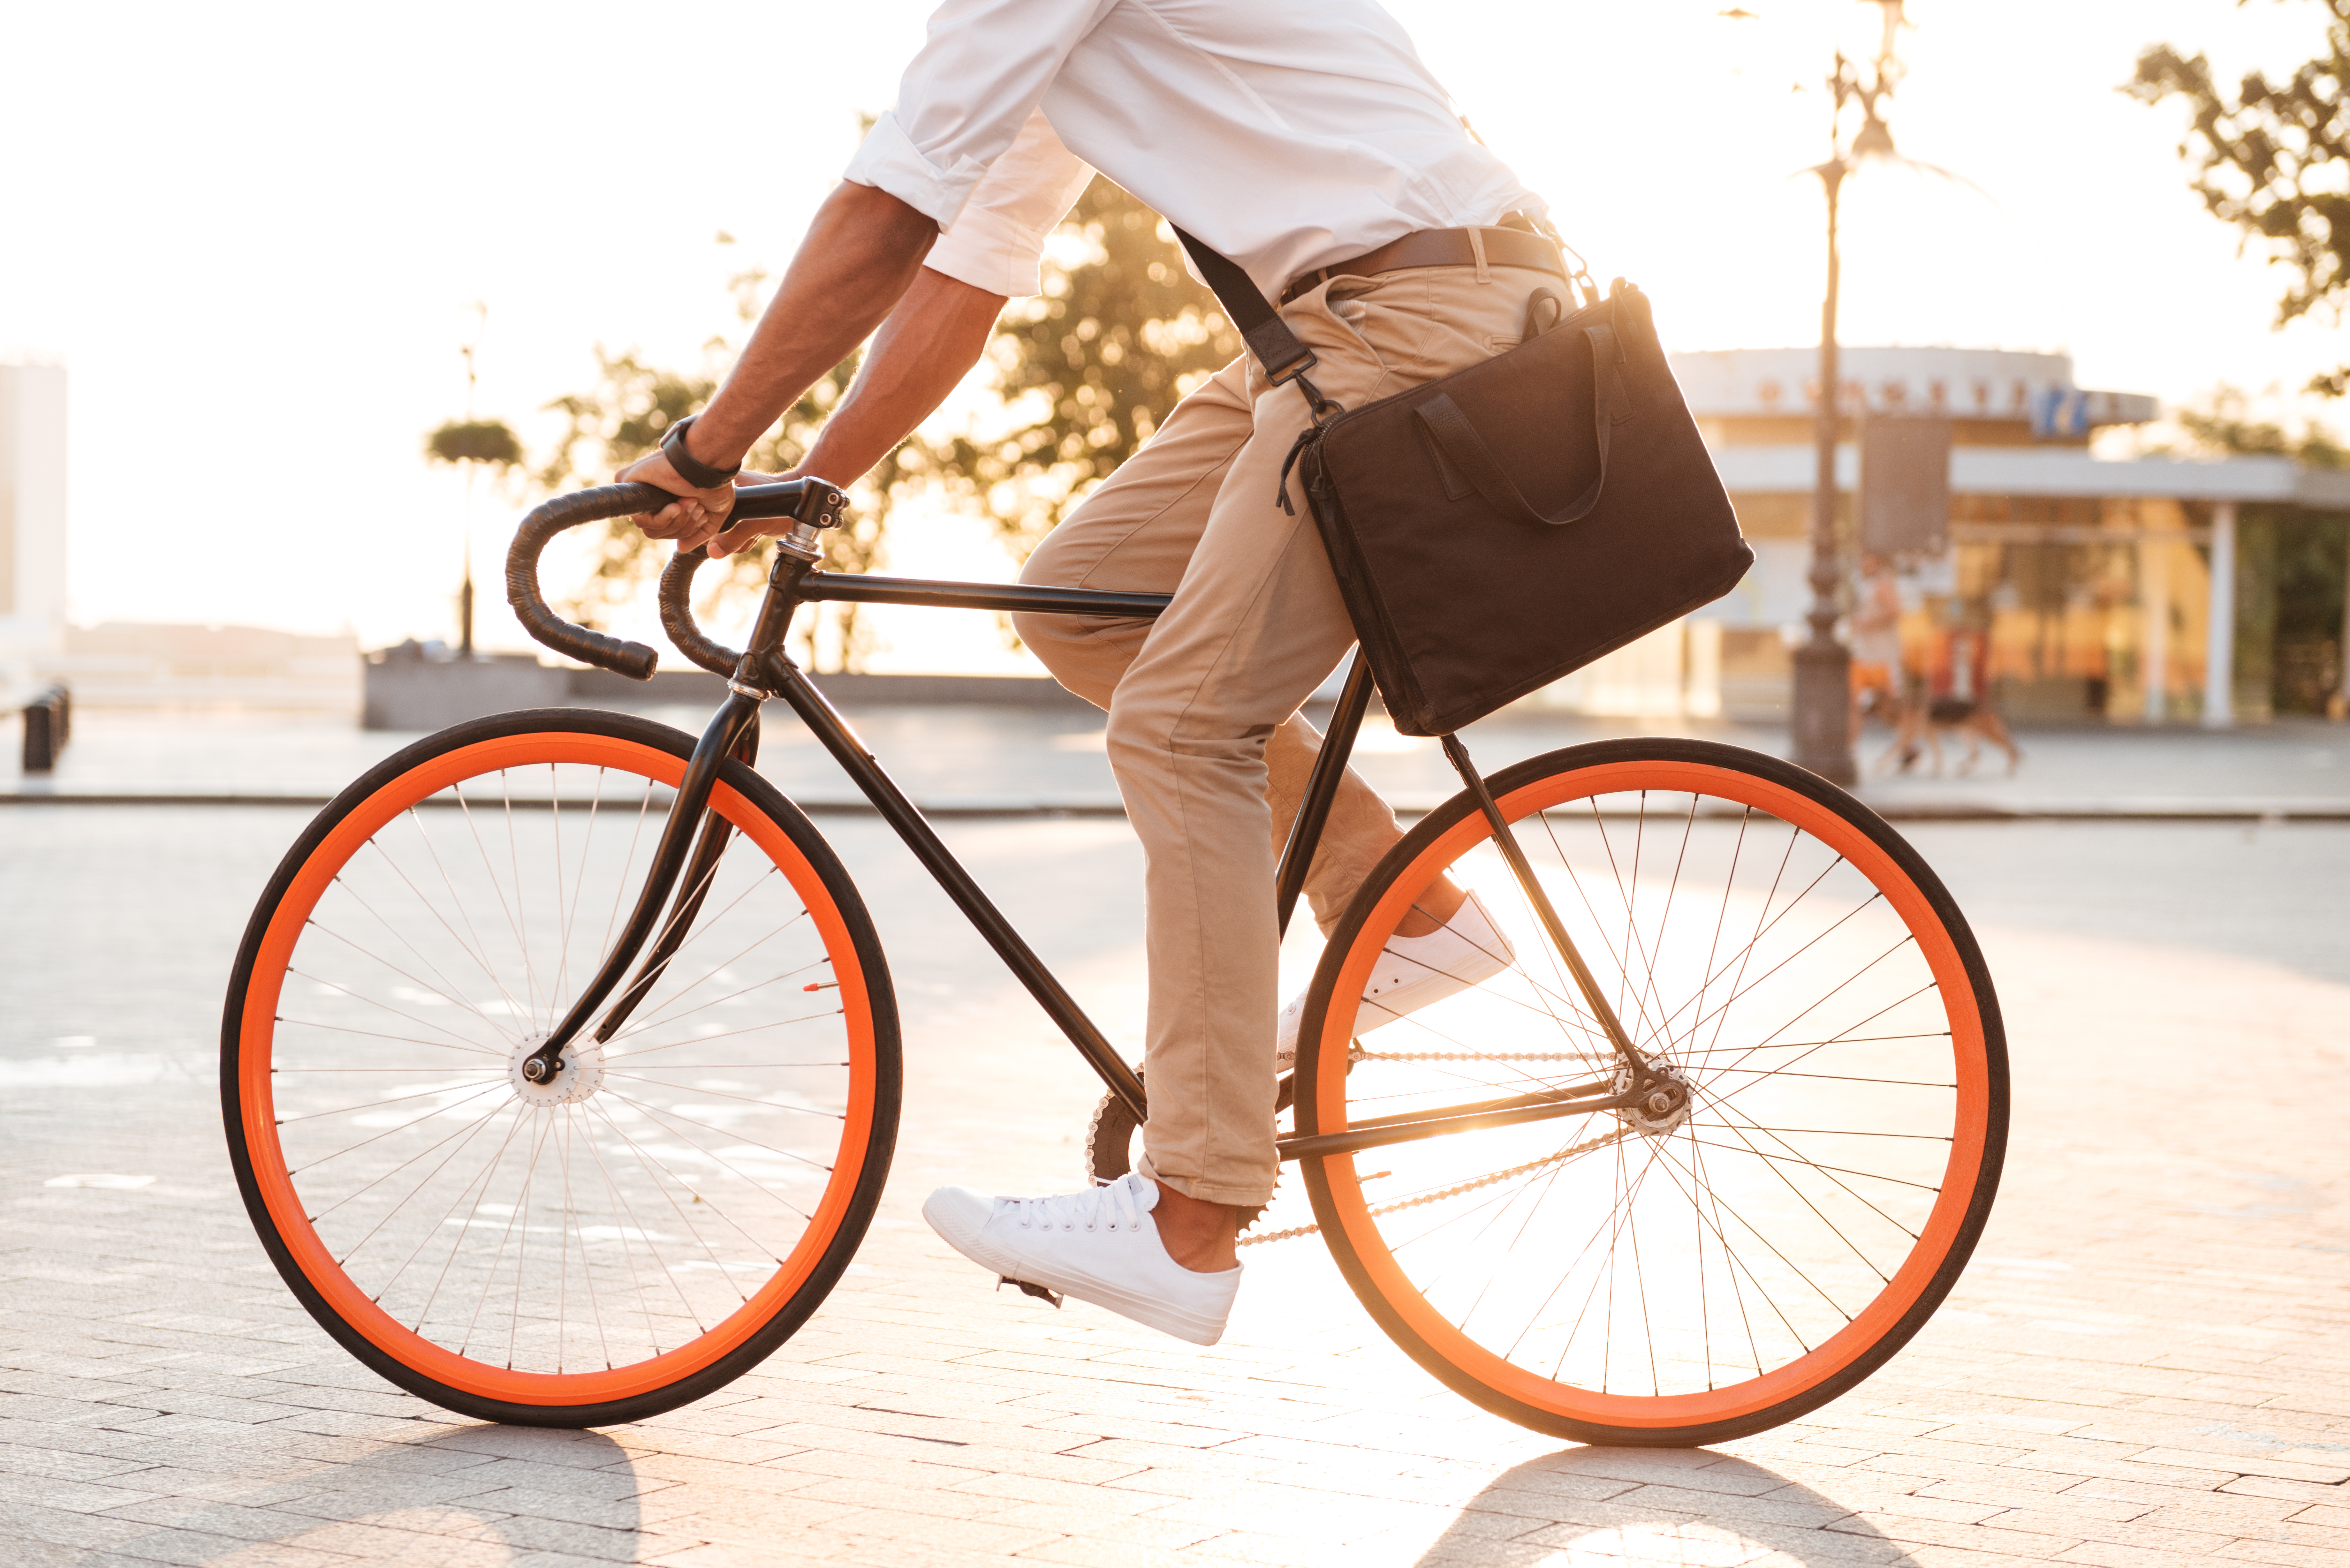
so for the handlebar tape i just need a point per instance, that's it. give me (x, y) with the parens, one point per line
(633, 659)
(677, 616)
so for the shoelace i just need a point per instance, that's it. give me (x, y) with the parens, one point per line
(1070, 1209)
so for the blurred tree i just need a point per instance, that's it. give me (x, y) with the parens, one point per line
(624, 416)
(491, 442)
(2272, 159)
(1094, 364)
(469, 445)
(2222, 421)
(1085, 371)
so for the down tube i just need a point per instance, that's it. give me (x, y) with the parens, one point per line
(901, 814)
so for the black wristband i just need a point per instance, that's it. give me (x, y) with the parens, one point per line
(691, 469)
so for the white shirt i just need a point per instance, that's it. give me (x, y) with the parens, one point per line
(1287, 134)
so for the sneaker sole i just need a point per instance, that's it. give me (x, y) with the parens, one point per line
(1194, 1327)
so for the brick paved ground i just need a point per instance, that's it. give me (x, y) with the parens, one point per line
(2146, 1365)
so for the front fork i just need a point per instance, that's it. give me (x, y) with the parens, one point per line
(732, 730)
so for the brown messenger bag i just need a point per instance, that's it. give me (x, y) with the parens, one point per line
(1501, 527)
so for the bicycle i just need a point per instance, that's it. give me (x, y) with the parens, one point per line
(1708, 1150)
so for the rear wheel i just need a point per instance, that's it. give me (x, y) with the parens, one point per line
(654, 1221)
(1725, 1265)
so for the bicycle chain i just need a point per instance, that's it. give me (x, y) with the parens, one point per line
(1436, 1197)
(1473, 1056)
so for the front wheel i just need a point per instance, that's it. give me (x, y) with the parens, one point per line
(1742, 1256)
(655, 1221)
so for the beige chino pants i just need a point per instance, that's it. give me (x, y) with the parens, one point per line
(1211, 754)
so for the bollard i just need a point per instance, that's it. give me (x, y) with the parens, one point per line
(41, 734)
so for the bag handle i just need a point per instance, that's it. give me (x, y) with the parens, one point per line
(1458, 440)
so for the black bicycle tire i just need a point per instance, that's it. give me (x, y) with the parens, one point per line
(1946, 910)
(888, 1078)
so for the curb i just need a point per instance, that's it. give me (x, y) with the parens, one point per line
(2272, 812)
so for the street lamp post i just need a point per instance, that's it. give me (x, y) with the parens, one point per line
(1822, 718)
(465, 589)
(1822, 665)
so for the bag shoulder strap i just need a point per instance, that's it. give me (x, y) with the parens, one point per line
(1276, 347)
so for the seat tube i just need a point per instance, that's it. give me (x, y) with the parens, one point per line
(1322, 788)
(1553, 927)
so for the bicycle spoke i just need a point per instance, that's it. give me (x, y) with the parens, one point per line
(447, 989)
(1763, 969)
(455, 1041)
(623, 1207)
(471, 942)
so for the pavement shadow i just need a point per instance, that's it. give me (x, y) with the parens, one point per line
(1643, 1506)
(466, 1494)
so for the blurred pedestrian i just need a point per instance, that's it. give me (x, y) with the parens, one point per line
(1877, 686)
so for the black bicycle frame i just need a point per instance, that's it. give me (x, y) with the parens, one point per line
(764, 671)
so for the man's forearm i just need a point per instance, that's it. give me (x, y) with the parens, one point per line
(934, 336)
(860, 254)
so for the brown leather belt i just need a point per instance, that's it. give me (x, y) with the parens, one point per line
(1438, 247)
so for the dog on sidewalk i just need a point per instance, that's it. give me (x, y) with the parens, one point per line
(1922, 722)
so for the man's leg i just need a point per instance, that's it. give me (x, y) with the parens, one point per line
(1137, 532)
(1255, 624)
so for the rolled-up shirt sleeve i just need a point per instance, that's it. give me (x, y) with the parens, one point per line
(997, 242)
(967, 95)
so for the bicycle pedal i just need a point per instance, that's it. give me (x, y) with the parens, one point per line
(1049, 1297)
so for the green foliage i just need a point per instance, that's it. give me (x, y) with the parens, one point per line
(2223, 423)
(1120, 334)
(624, 415)
(1087, 372)
(492, 441)
(2272, 159)
(2294, 560)
(617, 420)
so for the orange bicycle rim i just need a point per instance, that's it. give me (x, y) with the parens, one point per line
(256, 1032)
(1910, 1283)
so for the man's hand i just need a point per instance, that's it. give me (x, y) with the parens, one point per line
(751, 530)
(694, 516)
(859, 267)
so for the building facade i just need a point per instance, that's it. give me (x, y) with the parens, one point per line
(2063, 588)
(32, 521)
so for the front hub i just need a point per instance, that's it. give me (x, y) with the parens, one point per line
(578, 1073)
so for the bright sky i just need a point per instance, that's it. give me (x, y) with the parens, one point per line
(254, 234)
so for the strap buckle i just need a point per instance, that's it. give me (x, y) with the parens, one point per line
(1279, 352)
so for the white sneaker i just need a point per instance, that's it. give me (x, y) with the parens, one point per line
(1100, 1246)
(1414, 972)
